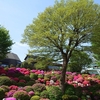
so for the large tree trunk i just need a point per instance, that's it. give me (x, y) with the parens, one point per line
(63, 73)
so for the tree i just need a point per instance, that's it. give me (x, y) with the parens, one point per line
(62, 28)
(95, 43)
(79, 60)
(43, 63)
(5, 42)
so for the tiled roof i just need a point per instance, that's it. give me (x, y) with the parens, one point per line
(12, 56)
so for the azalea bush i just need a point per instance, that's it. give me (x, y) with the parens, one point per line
(22, 95)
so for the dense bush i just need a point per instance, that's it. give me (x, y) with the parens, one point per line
(28, 88)
(44, 94)
(10, 93)
(31, 82)
(54, 93)
(36, 97)
(6, 88)
(26, 78)
(40, 76)
(21, 95)
(4, 80)
(33, 76)
(70, 97)
(21, 84)
(38, 87)
(2, 93)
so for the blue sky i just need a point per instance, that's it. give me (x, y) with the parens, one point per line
(15, 15)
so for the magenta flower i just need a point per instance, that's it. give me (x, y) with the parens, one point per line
(10, 93)
(31, 93)
(10, 98)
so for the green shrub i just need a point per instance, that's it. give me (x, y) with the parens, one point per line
(38, 87)
(65, 97)
(36, 97)
(33, 76)
(21, 84)
(6, 88)
(40, 76)
(28, 88)
(48, 76)
(54, 93)
(4, 80)
(70, 97)
(21, 95)
(70, 90)
(73, 97)
(2, 93)
(26, 78)
(44, 94)
(31, 82)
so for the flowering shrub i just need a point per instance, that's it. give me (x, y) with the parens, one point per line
(30, 93)
(22, 95)
(6, 88)
(28, 88)
(10, 93)
(13, 87)
(4, 80)
(38, 87)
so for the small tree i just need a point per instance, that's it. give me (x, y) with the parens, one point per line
(5, 42)
(78, 60)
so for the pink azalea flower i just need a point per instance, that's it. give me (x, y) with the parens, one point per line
(13, 87)
(10, 98)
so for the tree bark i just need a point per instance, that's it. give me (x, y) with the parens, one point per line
(63, 73)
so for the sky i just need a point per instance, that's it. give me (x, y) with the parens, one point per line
(15, 15)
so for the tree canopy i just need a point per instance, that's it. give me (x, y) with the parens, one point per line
(95, 43)
(5, 42)
(62, 28)
(79, 60)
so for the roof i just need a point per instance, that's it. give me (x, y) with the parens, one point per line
(12, 56)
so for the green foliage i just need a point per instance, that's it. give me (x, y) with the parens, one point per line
(44, 94)
(33, 76)
(43, 62)
(64, 21)
(27, 64)
(28, 88)
(70, 97)
(40, 76)
(2, 93)
(78, 60)
(65, 97)
(6, 88)
(31, 82)
(41, 65)
(54, 93)
(21, 84)
(70, 90)
(26, 78)
(22, 95)
(5, 42)
(35, 97)
(4, 80)
(38, 87)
